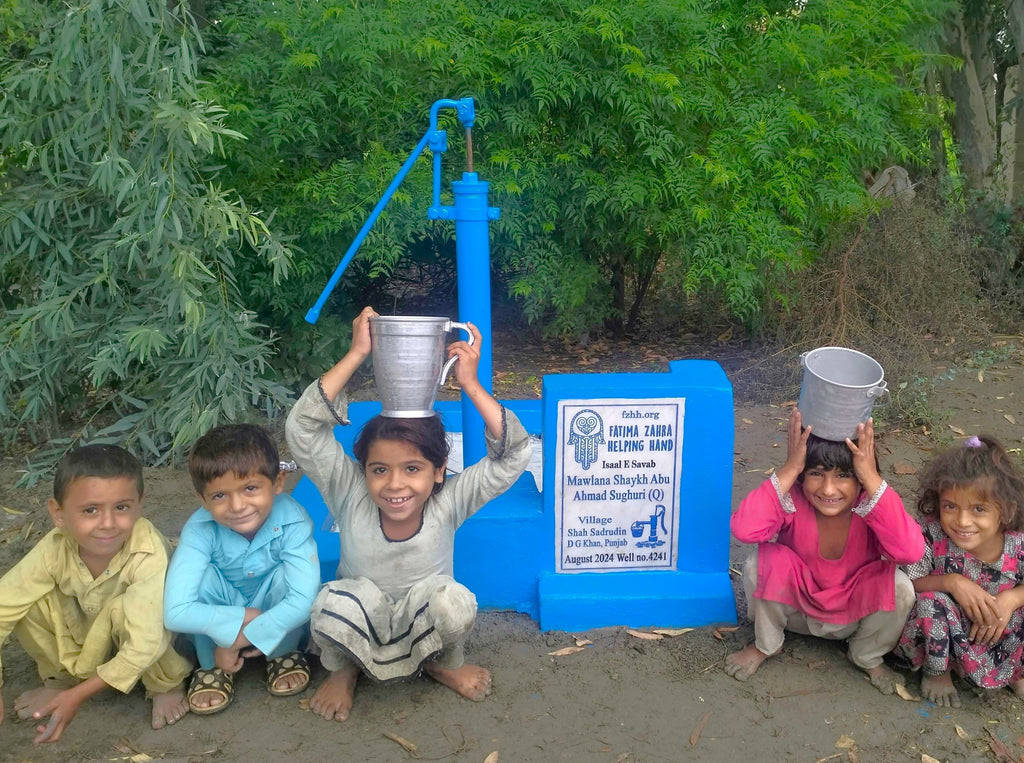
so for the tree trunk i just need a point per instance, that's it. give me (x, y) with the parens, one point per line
(936, 137)
(973, 91)
(1015, 137)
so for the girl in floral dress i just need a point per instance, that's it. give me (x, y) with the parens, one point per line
(968, 616)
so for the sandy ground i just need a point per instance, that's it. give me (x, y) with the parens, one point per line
(621, 699)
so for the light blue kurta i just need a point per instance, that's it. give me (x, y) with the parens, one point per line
(216, 573)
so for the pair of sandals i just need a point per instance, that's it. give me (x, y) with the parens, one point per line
(223, 683)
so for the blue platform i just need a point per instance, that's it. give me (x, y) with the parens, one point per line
(505, 553)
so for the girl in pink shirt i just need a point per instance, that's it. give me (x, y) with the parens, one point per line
(830, 535)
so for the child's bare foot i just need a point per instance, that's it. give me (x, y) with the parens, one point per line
(743, 664)
(470, 681)
(883, 679)
(169, 707)
(34, 700)
(333, 700)
(940, 690)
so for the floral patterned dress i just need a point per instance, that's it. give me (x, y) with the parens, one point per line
(935, 637)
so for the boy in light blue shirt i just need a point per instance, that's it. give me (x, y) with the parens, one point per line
(246, 570)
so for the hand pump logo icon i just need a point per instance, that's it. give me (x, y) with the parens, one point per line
(638, 527)
(586, 432)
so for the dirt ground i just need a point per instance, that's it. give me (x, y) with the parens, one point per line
(623, 698)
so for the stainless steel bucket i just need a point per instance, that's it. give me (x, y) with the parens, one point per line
(409, 362)
(840, 386)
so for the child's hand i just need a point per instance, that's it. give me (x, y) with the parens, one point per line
(796, 452)
(1005, 605)
(231, 658)
(978, 603)
(62, 709)
(864, 465)
(469, 358)
(228, 658)
(361, 332)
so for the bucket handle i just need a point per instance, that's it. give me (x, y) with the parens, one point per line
(448, 326)
(879, 390)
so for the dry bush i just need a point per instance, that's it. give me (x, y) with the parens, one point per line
(899, 289)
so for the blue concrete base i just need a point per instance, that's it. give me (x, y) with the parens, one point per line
(635, 599)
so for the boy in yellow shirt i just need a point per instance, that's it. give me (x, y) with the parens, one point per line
(86, 602)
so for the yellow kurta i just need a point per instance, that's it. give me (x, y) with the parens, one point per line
(75, 625)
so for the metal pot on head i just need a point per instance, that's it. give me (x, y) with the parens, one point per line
(409, 365)
(839, 389)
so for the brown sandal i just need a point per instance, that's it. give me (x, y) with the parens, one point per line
(215, 680)
(293, 663)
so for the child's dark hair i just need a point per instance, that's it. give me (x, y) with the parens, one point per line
(980, 461)
(238, 448)
(427, 434)
(829, 455)
(103, 461)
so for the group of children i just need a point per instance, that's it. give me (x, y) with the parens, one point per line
(837, 556)
(96, 602)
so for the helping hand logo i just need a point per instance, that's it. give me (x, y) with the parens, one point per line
(586, 432)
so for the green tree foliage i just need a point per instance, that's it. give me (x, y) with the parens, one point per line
(118, 248)
(709, 145)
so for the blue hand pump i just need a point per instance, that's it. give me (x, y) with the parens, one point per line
(472, 215)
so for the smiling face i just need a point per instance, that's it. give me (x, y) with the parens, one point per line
(971, 520)
(830, 491)
(241, 503)
(100, 514)
(400, 480)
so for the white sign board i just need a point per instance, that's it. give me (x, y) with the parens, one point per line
(617, 472)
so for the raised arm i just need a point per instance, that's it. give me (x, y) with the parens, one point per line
(334, 381)
(466, 371)
(796, 453)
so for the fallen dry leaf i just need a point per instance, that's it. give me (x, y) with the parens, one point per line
(645, 636)
(409, 746)
(902, 467)
(583, 641)
(492, 758)
(9, 510)
(981, 375)
(926, 758)
(746, 421)
(958, 430)
(845, 742)
(903, 693)
(719, 633)
(961, 733)
(695, 734)
(672, 632)
(1009, 418)
(565, 651)
(304, 703)
(1000, 750)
